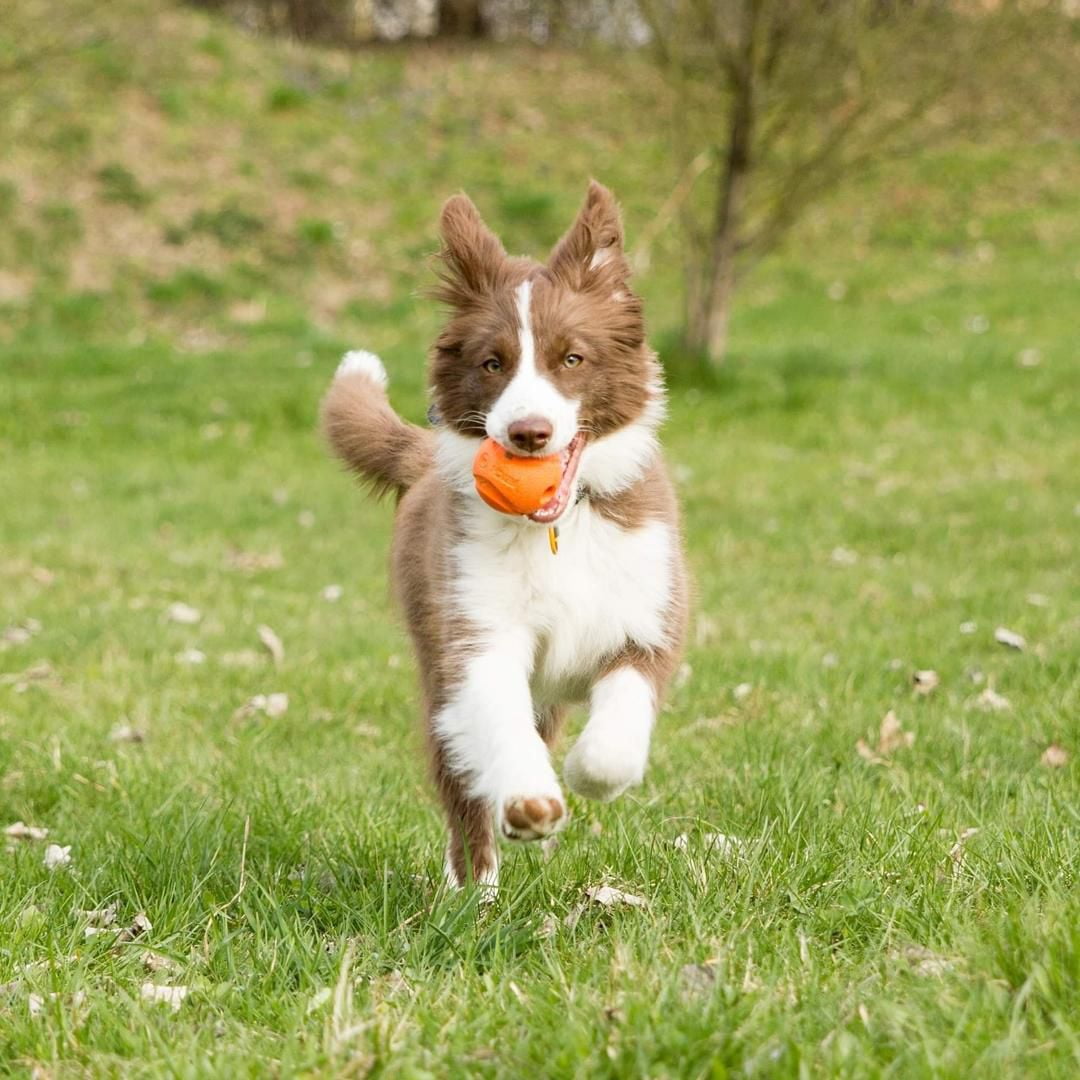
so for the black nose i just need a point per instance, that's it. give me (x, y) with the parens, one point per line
(532, 433)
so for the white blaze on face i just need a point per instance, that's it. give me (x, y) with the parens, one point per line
(529, 393)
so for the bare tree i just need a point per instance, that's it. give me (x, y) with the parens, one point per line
(784, 97)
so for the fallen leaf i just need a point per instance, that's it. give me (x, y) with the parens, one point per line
(843, 556)
(305, 519)
(742, 691)
(697, 980)
(251, 562)
(19, 634)
(272, 705)
(957, 852)
(272, 643)
(127, 733)
(1009, 638)
(549, 927)
(332, 593)
(183, 613)
(191, 656)
(140, 926)
(154, 962)
(607, 896)
(891, 737)
(57, 856)
(924, 962)
(991, 701)
(1054, 757)
(925, 681)
(173, 996)
(1036, 599)
(968, 627)
(41, 672)
(20, 831)
(99, 917)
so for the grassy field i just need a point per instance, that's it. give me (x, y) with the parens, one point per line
(193, 226)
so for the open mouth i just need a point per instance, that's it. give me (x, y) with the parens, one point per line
(554, 508)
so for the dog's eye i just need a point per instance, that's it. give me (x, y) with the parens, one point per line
(572, 359)
(492, 364)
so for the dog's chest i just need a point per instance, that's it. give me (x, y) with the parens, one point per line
(606, 587)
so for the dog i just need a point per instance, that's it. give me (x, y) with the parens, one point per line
(545, 358)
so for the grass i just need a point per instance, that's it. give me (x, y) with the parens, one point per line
(890, 456)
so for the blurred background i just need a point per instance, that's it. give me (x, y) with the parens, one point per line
(856, 228)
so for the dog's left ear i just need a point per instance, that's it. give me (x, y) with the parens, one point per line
(590, 255)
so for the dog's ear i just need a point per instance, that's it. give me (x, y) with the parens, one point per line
(590, 255)
(471, 254)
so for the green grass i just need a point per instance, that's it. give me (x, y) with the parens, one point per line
(869, 473)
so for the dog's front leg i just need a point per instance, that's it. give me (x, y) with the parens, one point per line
(613, 750)
(487, 736)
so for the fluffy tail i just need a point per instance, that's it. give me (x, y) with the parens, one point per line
(365, 432)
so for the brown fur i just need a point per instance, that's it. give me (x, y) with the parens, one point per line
(388, 453)
(581, 304)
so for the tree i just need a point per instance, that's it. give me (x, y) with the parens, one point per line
(776, 100)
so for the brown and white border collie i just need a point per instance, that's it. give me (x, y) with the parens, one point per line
(546, 359)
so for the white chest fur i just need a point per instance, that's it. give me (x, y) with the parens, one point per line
(607, 586)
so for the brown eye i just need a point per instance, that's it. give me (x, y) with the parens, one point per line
(573, 359)
(492, 364)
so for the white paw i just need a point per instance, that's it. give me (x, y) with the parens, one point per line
(362, 362)
(601, 766)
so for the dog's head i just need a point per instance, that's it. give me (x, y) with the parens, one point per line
(544, 358)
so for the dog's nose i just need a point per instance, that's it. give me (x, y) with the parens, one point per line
(532, 433)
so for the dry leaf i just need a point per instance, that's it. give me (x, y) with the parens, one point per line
(99, 917)
(991, 701)
(191, 656)
(891, 737)
(272, 643)
(925, 681)
(957, 851)
(549, 927)
(742, 691)
(57, 856)
(272, 705)
(127, 733)
(251, 562)
(1037, 599)
(969, 627)
(924, 962)
(154, 962)
(332, 593)
(183, 613)
(20, 831)
(1009, 638)
(173, 996)
(843, 556)
(607, 896)
(19, 634)
(697, 980)
(1055, 757)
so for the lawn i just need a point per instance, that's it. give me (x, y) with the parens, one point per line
(193, 225)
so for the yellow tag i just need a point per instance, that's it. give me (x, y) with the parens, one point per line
(553, 539)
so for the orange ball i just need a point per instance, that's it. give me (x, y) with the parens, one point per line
(515, 485)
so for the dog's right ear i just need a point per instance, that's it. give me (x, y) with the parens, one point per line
(471, 254)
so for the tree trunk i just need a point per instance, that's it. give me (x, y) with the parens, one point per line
(710, 296)
(462, 19)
